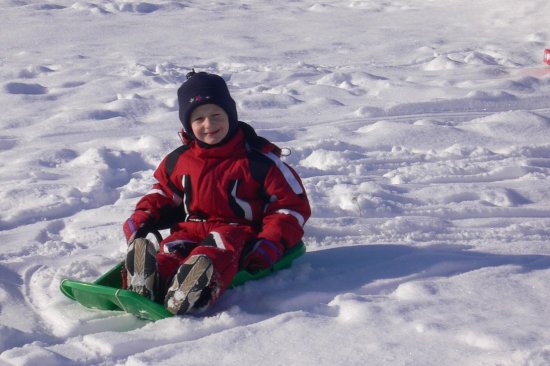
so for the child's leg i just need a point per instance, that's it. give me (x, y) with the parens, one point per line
(209, 269)
(174, 250)
(224, 245)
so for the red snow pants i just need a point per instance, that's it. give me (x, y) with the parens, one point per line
(223, 243)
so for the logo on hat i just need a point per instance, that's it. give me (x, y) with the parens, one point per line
(198, 98)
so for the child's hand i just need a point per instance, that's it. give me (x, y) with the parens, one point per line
(137, 225)
(263, 255)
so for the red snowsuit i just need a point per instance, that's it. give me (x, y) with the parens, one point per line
(225, 198)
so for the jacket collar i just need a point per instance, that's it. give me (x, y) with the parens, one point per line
(230, 148)
(244, 137)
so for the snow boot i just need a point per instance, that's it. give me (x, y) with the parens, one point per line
(191, 288)
(141, 268)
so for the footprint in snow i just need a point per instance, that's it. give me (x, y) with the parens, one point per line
(34, 71)
(24, 88)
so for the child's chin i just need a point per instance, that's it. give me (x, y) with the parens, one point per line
(210, 141)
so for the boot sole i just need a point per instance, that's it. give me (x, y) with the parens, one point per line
(191, 279)
(141, 263)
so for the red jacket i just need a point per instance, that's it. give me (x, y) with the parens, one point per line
(242, 181)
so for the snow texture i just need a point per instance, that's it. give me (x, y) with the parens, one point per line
(421, 130)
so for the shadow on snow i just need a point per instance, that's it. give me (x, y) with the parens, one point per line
(319, 276)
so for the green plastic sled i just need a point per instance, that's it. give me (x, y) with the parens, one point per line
(106, 292)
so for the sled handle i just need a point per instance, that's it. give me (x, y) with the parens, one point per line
(157, 235)
(143, 234)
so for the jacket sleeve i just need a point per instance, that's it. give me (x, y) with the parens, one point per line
(288, 209)
(164, 196)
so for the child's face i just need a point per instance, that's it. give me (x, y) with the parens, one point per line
(209, 123)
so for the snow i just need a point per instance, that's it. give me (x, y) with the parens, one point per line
(421, 131)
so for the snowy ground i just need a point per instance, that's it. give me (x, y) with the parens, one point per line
(421, 130)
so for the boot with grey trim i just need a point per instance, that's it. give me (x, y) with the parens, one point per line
(191, 288)
(141, 267)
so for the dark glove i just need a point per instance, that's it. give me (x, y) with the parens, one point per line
(263, 255)
(138, 225)
(180, 246)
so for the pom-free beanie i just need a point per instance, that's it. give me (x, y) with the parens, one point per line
(204, 88)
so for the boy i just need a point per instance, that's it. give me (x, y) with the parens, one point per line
(227, 197)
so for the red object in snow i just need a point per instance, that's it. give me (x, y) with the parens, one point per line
(547, 56)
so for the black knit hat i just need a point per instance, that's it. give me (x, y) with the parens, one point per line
(204, 88)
